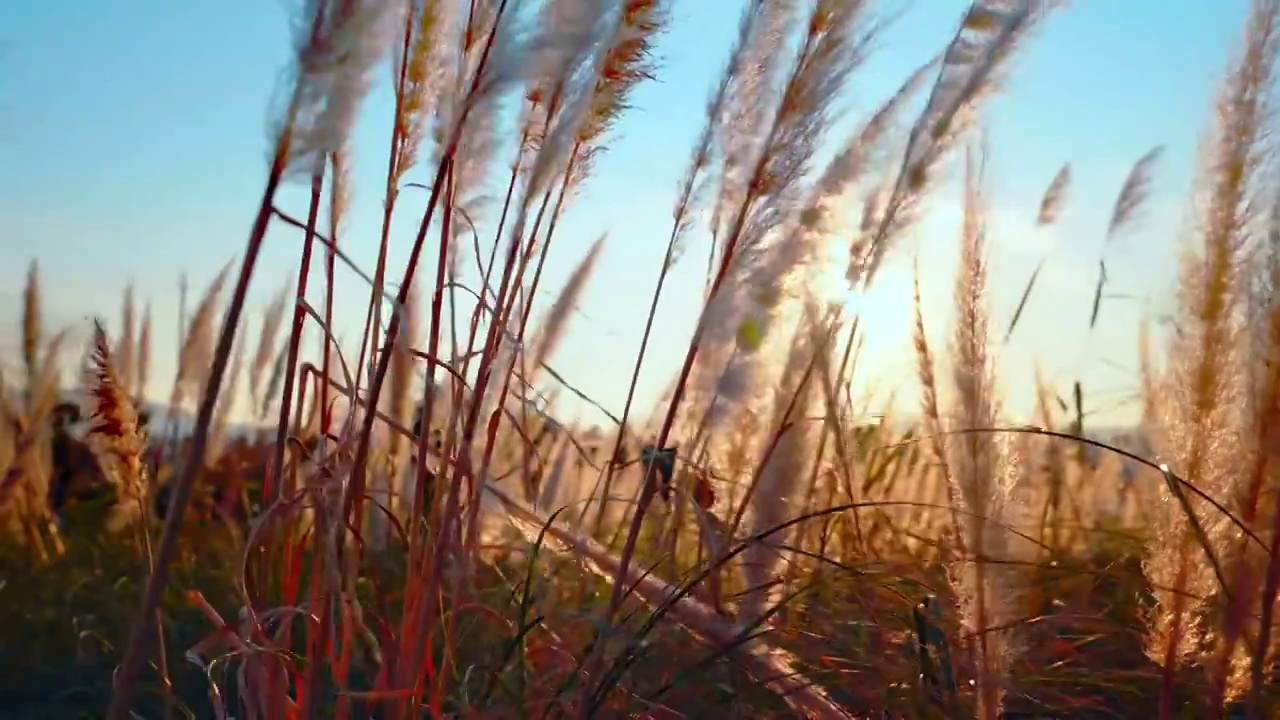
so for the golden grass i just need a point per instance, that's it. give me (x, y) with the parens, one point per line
(757, 549)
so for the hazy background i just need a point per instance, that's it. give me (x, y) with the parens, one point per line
(133, 139)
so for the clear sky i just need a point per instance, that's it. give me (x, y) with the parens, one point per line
(133, 144)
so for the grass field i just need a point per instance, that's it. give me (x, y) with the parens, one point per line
(402, 528)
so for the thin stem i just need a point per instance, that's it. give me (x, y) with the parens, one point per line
(136, 650)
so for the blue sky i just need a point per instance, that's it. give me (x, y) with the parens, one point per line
(133, 140)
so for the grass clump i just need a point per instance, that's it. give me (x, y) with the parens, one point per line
(404, 529)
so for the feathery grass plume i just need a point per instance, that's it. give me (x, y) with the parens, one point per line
(114, 435)
(226, 403)
(854, 159)
(1264, 270)
(1050, 207)
(1054, 197)
(775, 497)
(835, 46)
(974, 460)
(1133, 195)
(44, 389)
(692, 185)
(1204, 423)
(816, 225)
(425, 69)
(336, 46)
(833, 367)
(1264, 408)
(272, 321)
(31, 326)
(627, 61)
(552, 328)
(754, 273)
(989, 33)
(399, 409)
(1262, 283)
(274, 381)
(508, 358)
(574, 102)
(401, 377)
(16, 487)
(197, 346)
(476, 87)
(11, 432)
(476, 148)
(1233, 670)
(588, 108)
(569, 47)
(565, 62)
(123, 358)
(143, 353)
(339, 190)
(689, 197)
(751, 92)
(25, 449)
(550, 496)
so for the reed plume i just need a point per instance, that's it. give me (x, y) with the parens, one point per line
(268, 339)
(226, 403)
(31, 325)
(1134, 193)
(569, 50)
(399, 409)
(336, 46)
(275, 380)
(774, 499)
(1133, 196)
(979, 467)
(553, 327)
(488, 60)
(1054, 197)
(114, 435)
(125, 346)
(696, 181)
(989, 34)
(430, 39)
(197, 346)
(1264, 408)
(1203, 420)
(143, 353)
(752, 90)
(1050, 208)
(25, 482)
(754, 271)
(626, 62)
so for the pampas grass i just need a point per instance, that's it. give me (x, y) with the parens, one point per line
(773, 497)
(981, 472)
(114, 435)
(1205, 419)
(758, 547)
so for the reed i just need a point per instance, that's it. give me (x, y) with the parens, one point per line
(408, 525)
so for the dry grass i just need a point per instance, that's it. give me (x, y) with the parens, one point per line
(757, 549)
